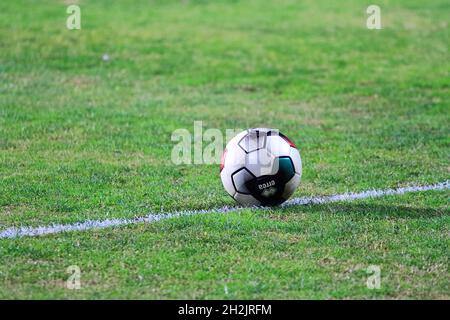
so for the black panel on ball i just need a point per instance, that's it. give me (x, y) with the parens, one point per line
(269, 189)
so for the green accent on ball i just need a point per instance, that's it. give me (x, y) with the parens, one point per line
(286, 168)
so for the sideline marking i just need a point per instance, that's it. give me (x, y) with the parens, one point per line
(11, 233)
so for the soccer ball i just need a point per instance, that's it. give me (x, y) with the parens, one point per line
(260, 167)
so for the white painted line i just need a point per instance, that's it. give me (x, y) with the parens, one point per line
(11, 233)
(366, 194)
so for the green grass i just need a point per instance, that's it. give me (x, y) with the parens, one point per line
(81, 138)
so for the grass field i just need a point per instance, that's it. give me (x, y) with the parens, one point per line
(83, 138)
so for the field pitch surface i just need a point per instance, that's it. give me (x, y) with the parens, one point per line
(84, 137)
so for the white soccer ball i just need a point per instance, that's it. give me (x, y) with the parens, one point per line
(260, 167)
